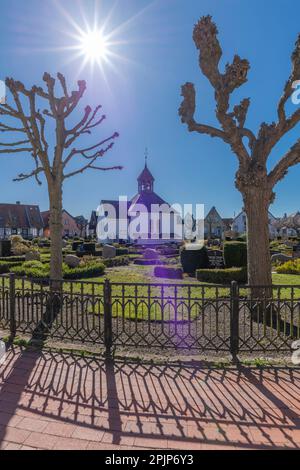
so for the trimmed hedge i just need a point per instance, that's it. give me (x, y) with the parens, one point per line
(38, 270)
(112, 262)
(222, 276)
(191, 260)
(9, 259)
(122, 251)
(7, 266)
(32, 269)
(147, 262)
(81, 272)
(235, 254)
(168, 272)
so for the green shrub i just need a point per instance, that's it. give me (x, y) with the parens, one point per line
(235, 254)
(92, 269)
(32, 264)
(32, 269)
(122, 251)
(45, 257)
(191, 260)
(222, 276)
(9, 259)
(290, 267)
(7, 266)
(242, 238)
(44, 243)
(147, 262)
(20, 249)
(38, 270)
(119, 261)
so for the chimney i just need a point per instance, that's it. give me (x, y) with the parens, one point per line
(18, 202)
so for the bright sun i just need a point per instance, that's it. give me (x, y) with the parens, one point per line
(94, 46)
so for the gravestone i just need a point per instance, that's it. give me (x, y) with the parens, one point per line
(216, 259)
(149, 253)
(5, 248)
(109, 251)
(296, 251)
(72, 261)
(280, 257)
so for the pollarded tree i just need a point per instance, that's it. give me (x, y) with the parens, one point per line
(52, 161)
(253, 180)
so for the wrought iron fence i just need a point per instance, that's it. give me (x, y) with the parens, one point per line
(178, 316)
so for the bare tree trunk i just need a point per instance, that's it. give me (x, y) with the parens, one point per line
(55, 198)
(259, 260)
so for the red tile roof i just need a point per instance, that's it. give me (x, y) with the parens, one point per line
(20, 216)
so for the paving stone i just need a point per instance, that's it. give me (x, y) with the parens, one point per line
(54, 401)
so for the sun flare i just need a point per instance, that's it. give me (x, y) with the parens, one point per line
(94, 46)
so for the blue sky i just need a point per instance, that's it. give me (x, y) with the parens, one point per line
(140, 92)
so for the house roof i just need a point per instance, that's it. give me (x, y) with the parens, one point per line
(242, 212)
(213, 212)
(46, 215)
(20, 216)
(93, 220)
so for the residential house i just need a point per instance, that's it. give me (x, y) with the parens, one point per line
(239, 224)
(69, 225)
(213, 224)
(92, 225)
(20, 219)
(288, 225)
(82, 224)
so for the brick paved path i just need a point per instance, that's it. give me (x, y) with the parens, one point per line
(54, 401)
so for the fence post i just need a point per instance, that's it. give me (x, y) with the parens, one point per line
(234, 320)
(12, 305)
(107, 317)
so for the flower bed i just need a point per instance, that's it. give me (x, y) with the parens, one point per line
(290, 267)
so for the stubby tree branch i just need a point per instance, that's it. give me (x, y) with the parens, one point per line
(232, 123)
(52, 162)
(252, 150)
(33, 124)
(252, 161)
(187, 111)
(291, 158)
(270, 134)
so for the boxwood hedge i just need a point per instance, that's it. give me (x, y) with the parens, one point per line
(235, 254)
(222, 276)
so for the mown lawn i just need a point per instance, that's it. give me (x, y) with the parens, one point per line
(135, 274)
(144, 274)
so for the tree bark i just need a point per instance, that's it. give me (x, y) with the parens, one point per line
(259, 259)
(55, 224)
